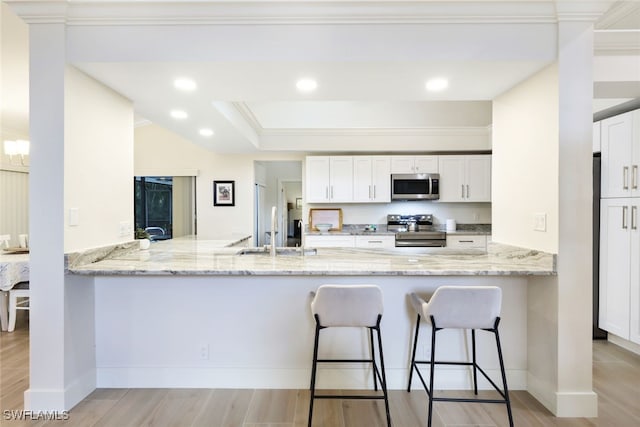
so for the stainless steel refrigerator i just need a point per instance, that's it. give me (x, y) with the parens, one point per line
(597, 332)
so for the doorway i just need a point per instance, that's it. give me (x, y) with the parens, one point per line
(279, 184)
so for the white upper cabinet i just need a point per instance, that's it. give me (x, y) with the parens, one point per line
(371, 179)
(465, 178)
(329, 179)
(620, 148)
(414, 164)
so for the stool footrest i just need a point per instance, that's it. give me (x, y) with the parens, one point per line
(348, 396)
(345, 360)
(467, 400)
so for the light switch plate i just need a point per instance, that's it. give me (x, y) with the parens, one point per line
(540, 222)
(74, 217)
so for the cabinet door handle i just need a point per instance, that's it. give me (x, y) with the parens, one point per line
(326, 193)
(462, 191)
(369, 191)
(634, 177)
(625, 178)
(467, 191)
(466, 241)
(634, 217)
(332, 191)
(374, 191)
(624, 217)
(374, 241)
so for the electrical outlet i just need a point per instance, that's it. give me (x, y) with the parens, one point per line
(204, 351)
(476, 216)
(540, 222)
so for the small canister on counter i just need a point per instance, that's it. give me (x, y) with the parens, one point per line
(451, 225)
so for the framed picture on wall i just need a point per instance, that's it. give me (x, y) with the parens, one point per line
(298, 203)
(224, 193)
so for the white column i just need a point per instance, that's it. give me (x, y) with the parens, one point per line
(46, 219)
(575, 396)
(62, 337)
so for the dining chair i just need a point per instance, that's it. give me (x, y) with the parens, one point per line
(4, 240)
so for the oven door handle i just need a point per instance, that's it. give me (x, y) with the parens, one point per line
(420, 243)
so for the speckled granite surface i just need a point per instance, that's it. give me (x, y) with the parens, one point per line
(189, 256)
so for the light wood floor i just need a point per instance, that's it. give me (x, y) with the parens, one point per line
(616, 374)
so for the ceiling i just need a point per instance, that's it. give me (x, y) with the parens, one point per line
(375, 83)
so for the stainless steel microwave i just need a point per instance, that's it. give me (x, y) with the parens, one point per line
(418, 186)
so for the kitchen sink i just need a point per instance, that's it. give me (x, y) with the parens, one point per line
(280, 251)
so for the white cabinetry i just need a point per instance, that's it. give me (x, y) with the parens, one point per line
(325, 241)
(596, 136)
(620, 268)
(371, 179)
(414, 164)
(465, 178)
(372, 241)
(620, 146)
(467, 241)
(329, 179)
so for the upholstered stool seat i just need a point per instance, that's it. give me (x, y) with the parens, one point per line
(460, 307)
(349, 306)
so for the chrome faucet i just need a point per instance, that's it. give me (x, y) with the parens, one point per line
(273, 231)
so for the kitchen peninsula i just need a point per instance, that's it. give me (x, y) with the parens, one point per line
(189, 313)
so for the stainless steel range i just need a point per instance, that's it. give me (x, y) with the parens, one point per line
(416, 231)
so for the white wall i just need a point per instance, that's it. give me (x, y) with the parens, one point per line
(98, 162)
(14, 204)
(525, 162)
(160, 152)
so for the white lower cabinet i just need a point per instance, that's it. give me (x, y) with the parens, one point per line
(336, 241)
(349, 241)
(369, 241)
(466, 241)
(620, 268)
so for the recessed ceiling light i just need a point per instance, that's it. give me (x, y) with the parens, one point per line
(184, 83)
(179, 114)
(438, 84)
(306, 85)
(206, 132)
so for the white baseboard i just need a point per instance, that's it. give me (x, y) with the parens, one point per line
(60, 399)
(577, 405)
(627, 345)
(172, 377)
(563, 404)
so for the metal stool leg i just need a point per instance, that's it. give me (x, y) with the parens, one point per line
(373, 358)
(475, 365)
(504, 376)
(312, 388)
(413, 366)
(433, 369)
(384, 377)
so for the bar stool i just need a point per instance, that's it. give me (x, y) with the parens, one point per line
(349, 306)
(460, 307)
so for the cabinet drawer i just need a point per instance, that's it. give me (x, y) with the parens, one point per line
(467, 241)
(375, 241)
(342, 241)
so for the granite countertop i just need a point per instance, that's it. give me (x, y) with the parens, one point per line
(203, 257)
(354, 230)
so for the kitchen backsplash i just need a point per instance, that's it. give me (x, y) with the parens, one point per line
(374, 213)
